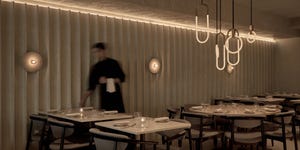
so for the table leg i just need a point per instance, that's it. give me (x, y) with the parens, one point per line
(142, 138)
(190, 138)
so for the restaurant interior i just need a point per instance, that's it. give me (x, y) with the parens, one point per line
(199, 74)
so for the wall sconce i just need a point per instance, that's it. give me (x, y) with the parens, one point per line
(154, 65)
(230, 68)
(32, 61)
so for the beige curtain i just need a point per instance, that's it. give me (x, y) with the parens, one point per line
(63, 39)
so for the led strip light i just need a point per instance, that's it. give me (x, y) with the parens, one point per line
(109, 14)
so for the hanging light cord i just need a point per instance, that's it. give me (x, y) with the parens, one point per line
(251, 23)
(217, 19)
(232, 14)
(251, 33)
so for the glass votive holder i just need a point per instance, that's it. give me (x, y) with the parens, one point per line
(81, 112)
(143, 122)
(137, 114)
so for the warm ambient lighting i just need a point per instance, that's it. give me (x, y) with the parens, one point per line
(32, 61)
(72, 8)
(251, 33)
(233, 33)
(230, 69)
(207, 23)
(154, 65)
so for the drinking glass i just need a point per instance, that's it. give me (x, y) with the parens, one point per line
(137, 114)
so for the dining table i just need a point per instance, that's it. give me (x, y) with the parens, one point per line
(136, 128)
(236, 109)
(251, 100)
(287, 96)
(85, 115)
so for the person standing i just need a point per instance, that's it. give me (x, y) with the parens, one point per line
(109, 75)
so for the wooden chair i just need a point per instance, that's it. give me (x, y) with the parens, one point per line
(40, 123)
(246, 130)
(283, 119)
(61, 130)
(171, 135)
(203, 130)
(113, 141)
(296, 106)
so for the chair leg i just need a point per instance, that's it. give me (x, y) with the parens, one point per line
(29, 136)
(224, 143)
(163, 139)
(272, 141)
(62, 139)
(190, 138)
(197, 142)
(231, 144)
(168, 145)
(264, 143)
(200, 144)
(154, 147)
(295, 136)
(179, 143)
(215, 142)
(284, 144)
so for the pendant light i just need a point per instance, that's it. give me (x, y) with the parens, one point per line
(233, 34)
(219, 35)
(251, 33)
(207, 22)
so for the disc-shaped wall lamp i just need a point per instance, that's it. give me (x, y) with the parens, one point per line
(32, 61)
(154, 65)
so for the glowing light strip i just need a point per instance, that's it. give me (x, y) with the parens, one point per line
(109, 14)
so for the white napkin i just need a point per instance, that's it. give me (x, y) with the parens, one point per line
(73, 114)
(161, 119)
(111, 112)
(110, 85)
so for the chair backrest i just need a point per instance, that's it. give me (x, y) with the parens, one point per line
(284, 117)
(109, 141)
(173, 112)
(58, 127)
(37, 128)
(204, 120)
(247, 122)
(195, 118)
(38, 123)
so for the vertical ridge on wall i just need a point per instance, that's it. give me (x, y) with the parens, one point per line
(85, 53)
(7, 76)
(75, 59)
(44, 79)
(65, 51)
(54, 59)
(32, 27)
(1, 102)
(20, 79)
(63, 38)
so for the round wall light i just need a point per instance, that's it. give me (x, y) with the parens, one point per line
(32, 61)
(154, 65)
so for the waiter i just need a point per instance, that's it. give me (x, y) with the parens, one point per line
(108, 74)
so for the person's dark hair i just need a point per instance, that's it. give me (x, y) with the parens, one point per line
(99, 45)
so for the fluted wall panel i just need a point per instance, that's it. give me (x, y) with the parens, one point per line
(63, 38)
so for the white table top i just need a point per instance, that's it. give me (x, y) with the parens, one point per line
(237, 110)
(152, 126)
(253, 99)
(87, 115)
